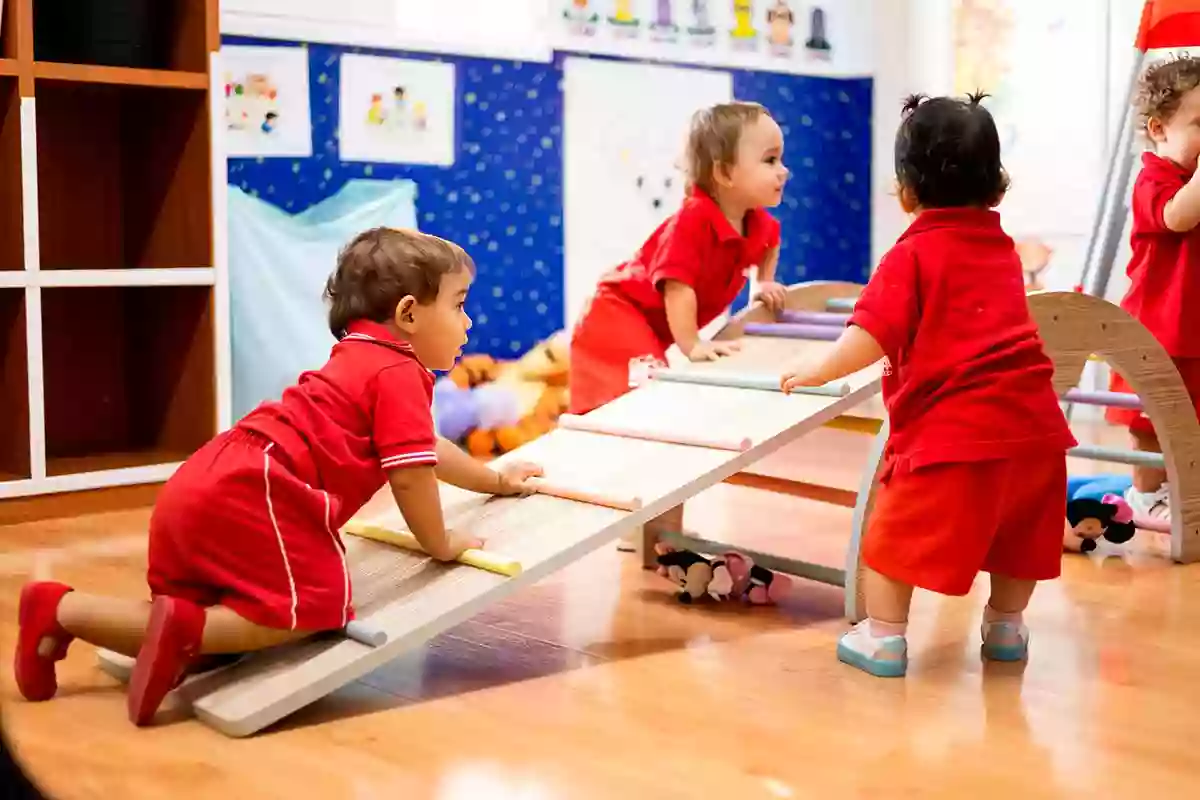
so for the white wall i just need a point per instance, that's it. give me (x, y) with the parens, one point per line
(914, 49)
(486, 28)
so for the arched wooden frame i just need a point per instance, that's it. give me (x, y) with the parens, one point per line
(1073, 327)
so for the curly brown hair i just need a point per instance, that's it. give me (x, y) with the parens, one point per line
(1162, 87)
(713, 140)
(381, 266)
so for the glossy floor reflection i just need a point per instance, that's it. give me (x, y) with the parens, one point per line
(596, 683)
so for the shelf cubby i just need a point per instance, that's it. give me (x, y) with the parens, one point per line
(141, 34)
(8, 36)
(14, 387)
(128, 376)
(135, 191)
(12, 238)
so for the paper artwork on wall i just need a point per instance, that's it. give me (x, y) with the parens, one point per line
(774, 35)
(267, 109)
(396, 110)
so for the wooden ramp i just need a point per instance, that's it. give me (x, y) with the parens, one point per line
(412, 598)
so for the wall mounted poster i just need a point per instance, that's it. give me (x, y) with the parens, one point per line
(396, 110)
(267, 110)
(821, 38)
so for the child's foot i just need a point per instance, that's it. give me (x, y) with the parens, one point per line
(1154, 505)
(881, 656)
(1005, 640)
(172, 643)
(41, 641)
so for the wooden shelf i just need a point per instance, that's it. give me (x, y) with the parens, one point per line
(12, 237)
(117, 380)
(149, 35)
(128, 375)
(121, 76)
(9, 23)
(14, 387)
(136, 191)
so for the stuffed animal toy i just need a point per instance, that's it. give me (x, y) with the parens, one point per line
(732, 576)
(455, 410)
(1096, 509)
(474, 370)
(690, 571)
(750, 582)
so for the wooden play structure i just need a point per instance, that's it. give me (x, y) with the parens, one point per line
(629, 463)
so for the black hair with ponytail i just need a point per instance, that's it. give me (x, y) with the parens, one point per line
(948, 152)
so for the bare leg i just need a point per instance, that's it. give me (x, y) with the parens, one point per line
(1009, 596)
(888, 602)
(1147, 479)
(120, 625)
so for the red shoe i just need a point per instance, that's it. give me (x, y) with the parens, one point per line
(171, 645)
(38, 620)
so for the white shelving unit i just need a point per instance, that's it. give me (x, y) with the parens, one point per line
(114, 332)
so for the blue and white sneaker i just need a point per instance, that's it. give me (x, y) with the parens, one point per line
(1005, 641)
(883, 657)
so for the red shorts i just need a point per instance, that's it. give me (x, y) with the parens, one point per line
(936, 527)
(235, 527)
(610, 333)
(1137, 422)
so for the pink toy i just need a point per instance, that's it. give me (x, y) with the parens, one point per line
(732, 576)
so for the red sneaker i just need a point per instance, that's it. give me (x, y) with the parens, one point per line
(41, 641)
(172, 643)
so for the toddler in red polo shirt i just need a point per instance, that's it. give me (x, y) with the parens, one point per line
(244, 550)
(1164, 270)
(974, 476)
(694, 264)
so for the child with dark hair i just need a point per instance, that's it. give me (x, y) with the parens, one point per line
(974, 476)
(1164, 268)
(244, 549)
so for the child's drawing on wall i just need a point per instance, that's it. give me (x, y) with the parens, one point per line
(266, 97)
(251, 102)
(702, 32)
(397, 110)
(663, 28)
(779, 28)
(744, 35)
(581, 17)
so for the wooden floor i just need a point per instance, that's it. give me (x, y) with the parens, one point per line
(596, 683)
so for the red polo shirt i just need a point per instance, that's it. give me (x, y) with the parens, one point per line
(968, 379)
(342, 427)
(1164, 270)
(697, 246)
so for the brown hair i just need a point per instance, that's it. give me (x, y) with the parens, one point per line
(381, 266)
(1162, 87)
(713, 140)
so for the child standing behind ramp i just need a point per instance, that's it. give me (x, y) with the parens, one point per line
(1164, 268)
(244, 549)
(974, 476)
(694, 265)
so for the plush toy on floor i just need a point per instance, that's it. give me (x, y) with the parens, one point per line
(732, 576)
(1096, 509)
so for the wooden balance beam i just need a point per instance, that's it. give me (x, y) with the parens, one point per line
(403, 598)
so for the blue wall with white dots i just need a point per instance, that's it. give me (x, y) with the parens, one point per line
(502, 199)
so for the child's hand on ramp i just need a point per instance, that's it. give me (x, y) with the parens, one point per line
(457, 544)
(711, 351)
(799, 376)
(514, 478)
